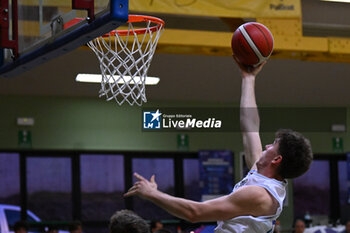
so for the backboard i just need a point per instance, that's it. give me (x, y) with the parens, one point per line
(34, 31)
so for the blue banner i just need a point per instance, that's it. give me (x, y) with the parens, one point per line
(216, 173)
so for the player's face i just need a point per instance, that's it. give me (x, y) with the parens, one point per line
(299, 227)
(270, 152)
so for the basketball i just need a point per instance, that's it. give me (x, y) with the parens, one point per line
(252, 43)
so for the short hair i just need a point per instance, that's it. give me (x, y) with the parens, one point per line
(298, 220)
(296, 153)
(19, 225)
(74, 226)
(126, 221)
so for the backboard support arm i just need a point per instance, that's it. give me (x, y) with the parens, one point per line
(85, 5)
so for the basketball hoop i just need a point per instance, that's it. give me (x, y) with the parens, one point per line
(125, 56)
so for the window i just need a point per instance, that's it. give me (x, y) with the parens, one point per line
(191, 179)
(10, 180)
(163, 169)
(102, 186)
(49, 188)
(343, 191)
(312, 190)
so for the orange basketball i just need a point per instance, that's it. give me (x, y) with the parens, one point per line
(252, 43)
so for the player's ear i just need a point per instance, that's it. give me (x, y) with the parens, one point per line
(277, 159)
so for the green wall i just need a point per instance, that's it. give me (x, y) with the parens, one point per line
(94, 124)
(63, 123)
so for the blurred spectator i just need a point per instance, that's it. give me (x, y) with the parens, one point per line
(307, 219)
(299, 226)
(75, 227)
(52, 229)
(20, 227)
(126, 221)
(163, 230)
(277, 228)
(347, 227)
(156, 225)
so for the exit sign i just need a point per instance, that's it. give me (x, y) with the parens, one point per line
(24, 138)
(337, 144)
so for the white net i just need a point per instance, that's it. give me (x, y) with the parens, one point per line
(125, 57)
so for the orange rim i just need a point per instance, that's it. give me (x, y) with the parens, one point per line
(139, 18)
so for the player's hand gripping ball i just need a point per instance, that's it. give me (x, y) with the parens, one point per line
(252, 43)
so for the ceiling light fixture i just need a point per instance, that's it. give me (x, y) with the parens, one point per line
(96, 78)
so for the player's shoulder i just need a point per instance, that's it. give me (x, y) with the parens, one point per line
(252, 193)
(255, 200)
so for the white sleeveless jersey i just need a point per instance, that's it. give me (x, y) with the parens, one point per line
(250, 224)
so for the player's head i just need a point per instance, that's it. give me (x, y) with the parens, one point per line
(290, 154)
(299, 226)
(126, 221)
(296, 153)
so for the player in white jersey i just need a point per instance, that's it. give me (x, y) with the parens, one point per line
(256, 201)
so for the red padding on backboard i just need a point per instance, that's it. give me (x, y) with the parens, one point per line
(72, 23)
(85, 5)
(5, 42)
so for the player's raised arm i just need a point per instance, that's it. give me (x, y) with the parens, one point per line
(249, 115)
